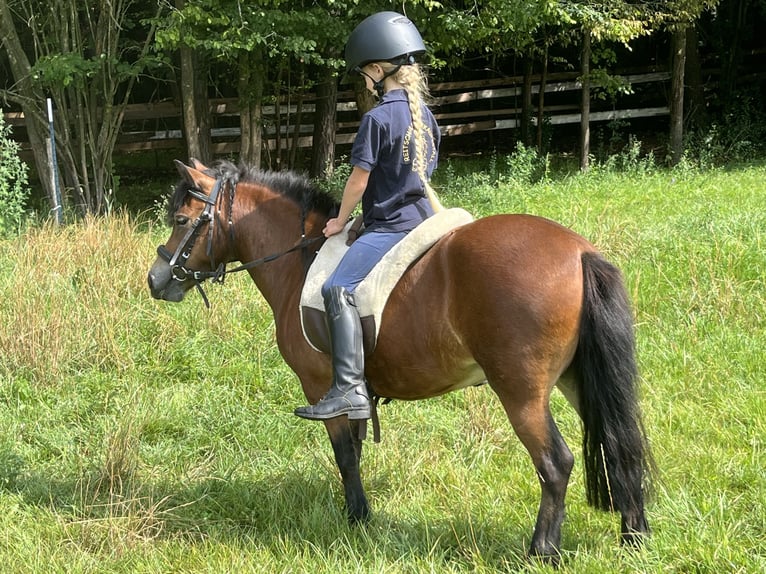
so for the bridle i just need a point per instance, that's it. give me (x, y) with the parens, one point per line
(210, 214)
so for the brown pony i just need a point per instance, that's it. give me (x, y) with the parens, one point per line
(514, 300)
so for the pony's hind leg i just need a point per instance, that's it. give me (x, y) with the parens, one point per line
(535, 427)
(634, 528)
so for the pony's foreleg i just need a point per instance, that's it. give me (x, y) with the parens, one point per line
(344, 436)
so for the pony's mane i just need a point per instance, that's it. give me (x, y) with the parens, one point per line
(290, 184)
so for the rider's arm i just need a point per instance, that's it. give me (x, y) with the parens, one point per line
(352, 195)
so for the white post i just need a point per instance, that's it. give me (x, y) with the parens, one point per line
(57, 208)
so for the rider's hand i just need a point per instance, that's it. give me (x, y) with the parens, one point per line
(333, 227)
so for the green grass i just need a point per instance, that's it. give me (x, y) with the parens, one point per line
(141, 436)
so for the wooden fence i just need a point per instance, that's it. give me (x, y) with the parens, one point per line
(460, 108)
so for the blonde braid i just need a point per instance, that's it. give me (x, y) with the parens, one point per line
(412, 78)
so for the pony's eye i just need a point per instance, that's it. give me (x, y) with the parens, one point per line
(181, 220)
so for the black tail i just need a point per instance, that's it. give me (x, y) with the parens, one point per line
(614, 444)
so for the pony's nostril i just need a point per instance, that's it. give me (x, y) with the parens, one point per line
(152, 281)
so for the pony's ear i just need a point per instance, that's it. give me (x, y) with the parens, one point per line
(197, 164)
(195, 177)
(182, 170)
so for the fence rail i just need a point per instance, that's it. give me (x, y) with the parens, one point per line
(459, 107)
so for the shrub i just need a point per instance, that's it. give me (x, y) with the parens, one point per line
(736, 136)
(526, 166)
(14, 187)
(631, 160)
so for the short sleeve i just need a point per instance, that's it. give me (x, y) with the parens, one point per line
(366, 148)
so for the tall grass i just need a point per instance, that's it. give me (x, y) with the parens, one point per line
(141, 436)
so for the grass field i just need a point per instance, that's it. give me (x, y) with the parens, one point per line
(141, 436)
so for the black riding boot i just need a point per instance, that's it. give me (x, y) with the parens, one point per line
(348, 395)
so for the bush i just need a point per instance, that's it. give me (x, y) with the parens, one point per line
(14, 186)
(336, 182)
(631, 160)
(736, 136)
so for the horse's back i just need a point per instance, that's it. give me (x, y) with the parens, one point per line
(513, 258)
(528, 238)
(498, 287)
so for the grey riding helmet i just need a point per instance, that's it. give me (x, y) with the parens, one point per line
(383, 37)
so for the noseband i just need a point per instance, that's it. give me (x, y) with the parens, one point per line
(178, 259)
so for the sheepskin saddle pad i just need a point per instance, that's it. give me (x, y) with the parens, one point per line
(371, 295)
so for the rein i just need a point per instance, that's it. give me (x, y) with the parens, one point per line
(178, 259)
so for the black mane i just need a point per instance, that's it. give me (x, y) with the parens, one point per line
(290, 184)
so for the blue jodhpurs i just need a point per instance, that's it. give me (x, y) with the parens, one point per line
(360, 258)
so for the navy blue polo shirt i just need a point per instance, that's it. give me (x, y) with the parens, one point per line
(384, 145)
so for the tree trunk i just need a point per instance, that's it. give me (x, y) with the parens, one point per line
(541, 101)
(278, 119)
(526, 103)
(202, 103)
(194, 103)
(325, 126)
(251, 75)
(677, 96)
(585, 103)
(297, 120)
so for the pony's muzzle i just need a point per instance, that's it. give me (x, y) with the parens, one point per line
(163, 284)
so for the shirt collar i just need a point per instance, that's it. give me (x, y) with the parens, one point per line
(396, 95)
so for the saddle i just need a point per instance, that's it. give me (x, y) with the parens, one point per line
(372, 294)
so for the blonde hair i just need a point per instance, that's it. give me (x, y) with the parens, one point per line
(413, 79)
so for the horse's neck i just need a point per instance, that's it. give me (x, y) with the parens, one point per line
(269, 224)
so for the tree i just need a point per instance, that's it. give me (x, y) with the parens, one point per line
(585, 102)
(194, 101)
(87, 57)
(677, 16)
(527, 29)
(28, 95)
(614, 21)
(677, 95)
(262, 40)
(495, 27)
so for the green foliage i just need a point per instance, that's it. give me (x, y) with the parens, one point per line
(278, 28)
(675, 12)
(525, 166)
(64, 70)
(487, 185)
(489, 26)
(14, 188)
(603, 84)
(630, 160)
(737, 136)
(335, 184)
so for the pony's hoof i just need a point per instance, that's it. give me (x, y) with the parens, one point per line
(550, 557)
(360, 516)
(633, 539)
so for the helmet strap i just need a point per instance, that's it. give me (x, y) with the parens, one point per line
(378, 84)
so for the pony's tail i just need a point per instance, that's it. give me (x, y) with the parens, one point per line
(617, 458)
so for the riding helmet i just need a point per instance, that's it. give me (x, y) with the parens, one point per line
(383, 37)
